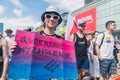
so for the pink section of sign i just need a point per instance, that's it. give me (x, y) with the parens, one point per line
(46, 48)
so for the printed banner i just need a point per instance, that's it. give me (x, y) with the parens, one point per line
(89, 16)
(42, 57)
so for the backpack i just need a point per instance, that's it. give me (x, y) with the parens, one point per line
(115, 51)
(75, 37)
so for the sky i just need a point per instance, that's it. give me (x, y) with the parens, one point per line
(20, 14)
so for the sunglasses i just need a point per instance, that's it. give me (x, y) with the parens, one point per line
(48, 16)
(82, 25)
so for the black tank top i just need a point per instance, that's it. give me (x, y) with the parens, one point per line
(80, 47)
(1, 52)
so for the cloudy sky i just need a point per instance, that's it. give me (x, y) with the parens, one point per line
(18, 14)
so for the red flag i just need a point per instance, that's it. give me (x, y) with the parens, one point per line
(71, 27)
(74, 28)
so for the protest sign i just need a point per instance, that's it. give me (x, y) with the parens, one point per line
(42, 57)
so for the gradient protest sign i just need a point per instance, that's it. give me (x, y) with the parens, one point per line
(42, 57)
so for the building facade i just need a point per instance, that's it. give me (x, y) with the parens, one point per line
(104, 10)
(88, 1)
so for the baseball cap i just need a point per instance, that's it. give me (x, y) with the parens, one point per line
(81, 23)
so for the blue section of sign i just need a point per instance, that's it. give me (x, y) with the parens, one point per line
(1, 28)
(43, 71)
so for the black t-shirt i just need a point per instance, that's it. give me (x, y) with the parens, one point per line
(80, 46)
(54, 35)
(1, 52)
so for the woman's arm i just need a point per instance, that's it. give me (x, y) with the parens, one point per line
(5, 59)
(71, 37)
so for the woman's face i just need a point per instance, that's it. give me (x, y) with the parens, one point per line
(96, 35)
(51, 20)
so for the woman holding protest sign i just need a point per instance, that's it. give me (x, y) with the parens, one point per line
(4, 59)
(51, 19)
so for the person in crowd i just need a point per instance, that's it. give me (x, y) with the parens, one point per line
(104, 51)
(4, 59)
(10, 38)
(81, 42)
(94, 63)
(51, 19)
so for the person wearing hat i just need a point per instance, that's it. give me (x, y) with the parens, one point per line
(4, 59)
(82, 42)
(51, 19)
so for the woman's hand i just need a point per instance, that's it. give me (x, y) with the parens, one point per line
(118, 57)
(3, 78)
(100, 58)
(13, 46)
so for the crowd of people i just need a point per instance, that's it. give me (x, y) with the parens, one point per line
(94, 55)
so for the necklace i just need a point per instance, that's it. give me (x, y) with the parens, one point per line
(48, 34)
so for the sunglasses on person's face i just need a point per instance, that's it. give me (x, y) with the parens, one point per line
(82, 25)
(48, 16)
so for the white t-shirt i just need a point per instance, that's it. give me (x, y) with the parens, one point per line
(106, 49)
(9, 40)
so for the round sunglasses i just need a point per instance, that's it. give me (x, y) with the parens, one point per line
(48, 16)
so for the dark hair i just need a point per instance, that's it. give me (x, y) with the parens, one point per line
(95, 32)
(8, 31)
(29, 29)
(108, 23)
